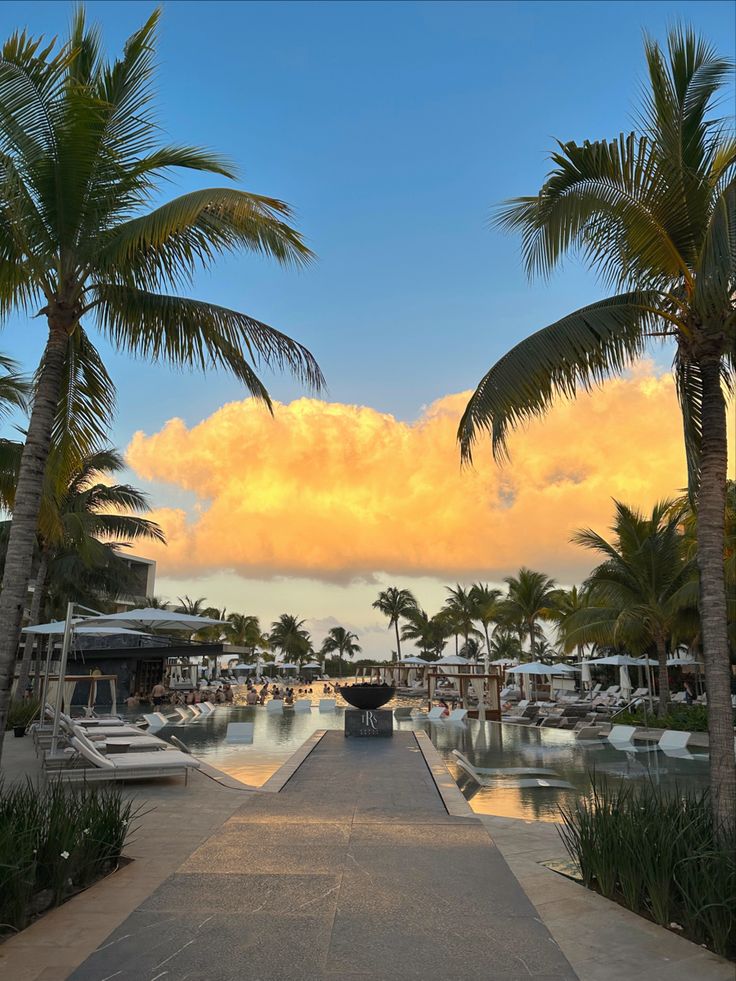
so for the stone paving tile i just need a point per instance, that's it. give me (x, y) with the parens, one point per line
(278, 895)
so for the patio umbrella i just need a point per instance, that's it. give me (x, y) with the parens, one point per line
(679, 662)
(155, 619)
(505, 662)
(537, 668)
(414, 660)
(453, 659)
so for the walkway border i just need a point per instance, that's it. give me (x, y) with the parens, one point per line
(278, 780)
(452, 798)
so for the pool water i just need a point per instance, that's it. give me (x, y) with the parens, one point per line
(556, 768)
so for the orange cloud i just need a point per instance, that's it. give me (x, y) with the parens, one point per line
(338, 492)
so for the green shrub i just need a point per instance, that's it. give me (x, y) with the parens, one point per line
(684, 718)
(655, 852)
(54, 841)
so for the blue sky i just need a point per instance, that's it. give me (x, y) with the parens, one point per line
(392, 129)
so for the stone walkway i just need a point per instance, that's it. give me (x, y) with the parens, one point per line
(356, 870)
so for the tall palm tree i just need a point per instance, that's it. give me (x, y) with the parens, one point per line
(505, 645)
(567, 603)
(486, 607)
(638, 593)
(289, 636)
(428, 633)
(532, 596)
(654, 213)
(461, 609)
(155, 603)
(81, 161)
(244, 630)
(83, 521)
(343, 642)
(396, 604)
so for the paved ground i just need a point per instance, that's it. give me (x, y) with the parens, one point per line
(354, 871)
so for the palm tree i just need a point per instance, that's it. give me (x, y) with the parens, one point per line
(81, 162)
(532, 596)
(155, 603)
(505, 645)
(83, 521)
(428, 633)
(567, 603)
(290, 638)
(461, 610)
(245, 631)
(654, 213)
(396, 604)
(637, 595)
(486, 607)
(342, 641)
(193, 607)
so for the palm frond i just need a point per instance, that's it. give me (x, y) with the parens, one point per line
(578, 351)
(191, 333)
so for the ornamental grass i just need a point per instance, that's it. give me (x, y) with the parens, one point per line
(656, 853)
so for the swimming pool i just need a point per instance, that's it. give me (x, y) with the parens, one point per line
(557, 767)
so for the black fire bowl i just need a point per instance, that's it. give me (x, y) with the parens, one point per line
(367, 697)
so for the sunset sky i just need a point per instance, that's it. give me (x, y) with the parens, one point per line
(392, 129)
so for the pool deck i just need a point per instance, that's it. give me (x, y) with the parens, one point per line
(279, 830)
(354, 870)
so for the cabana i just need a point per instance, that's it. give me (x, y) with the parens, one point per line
(537, 669)
(484, 687)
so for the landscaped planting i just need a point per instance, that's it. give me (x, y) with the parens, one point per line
(685, 718)
(656, 853)
(55, 841)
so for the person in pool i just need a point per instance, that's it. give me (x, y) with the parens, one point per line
(445, 707)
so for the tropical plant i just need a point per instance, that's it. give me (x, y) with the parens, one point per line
(289, 636)
(192, 607)
(532, 596)
(461, 611)
(505, 645)
(428, 633)
(80, 162)
(245, 630)
(654, 213)
(155, 603)
(83, 522)
(638, 593)
(487, 608)
(396, 604)
(342, 642)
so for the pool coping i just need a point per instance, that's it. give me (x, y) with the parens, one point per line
(455, 804)
(278, 780)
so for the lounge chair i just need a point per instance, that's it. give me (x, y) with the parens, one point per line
(622, 736)
(239, 732)
(435, 714)
(303, 705)
(128, 766)
(156, 720)
(136, 742)
(457, 715)
(403, 712)
(673, 743)
(327, 704)
(276, 706)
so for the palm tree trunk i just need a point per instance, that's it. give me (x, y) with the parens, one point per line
(713, 619)
(22, 537)
(531, 637)
(39, 590)
(398, 641)
(662, 678)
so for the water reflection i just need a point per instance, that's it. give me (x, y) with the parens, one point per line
(491, 745)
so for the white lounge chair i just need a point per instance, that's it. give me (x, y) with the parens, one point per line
(457, 715)
(302, 705)
(156, 720)
(183, 714)
(136, 742)
(128, 766)
(239, 732)
(327, 704)
(673, 743)
(435, 714)
(276, 706)
(622, 735)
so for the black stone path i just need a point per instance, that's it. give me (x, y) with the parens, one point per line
(354, 871)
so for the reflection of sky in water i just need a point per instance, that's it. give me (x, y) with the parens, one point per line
(492, 746)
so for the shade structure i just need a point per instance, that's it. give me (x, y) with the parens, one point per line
(154, 619)
(682, 662)
(505, 662)
(285, 666)
(624, 680)
(313, 665)
(79, 627)
(453, 659)
(537, 667)
(414, 660)
(617, 660)
(585, 673)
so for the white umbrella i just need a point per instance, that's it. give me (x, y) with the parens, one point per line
(624, 680)
(157, 619)
(617, 660)
(285, 666)
(537, 667)
(585, 678)
(313, 664)
(79, 627)
(453, 659)
(679, 662)
(414, 660)
(505, 662)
